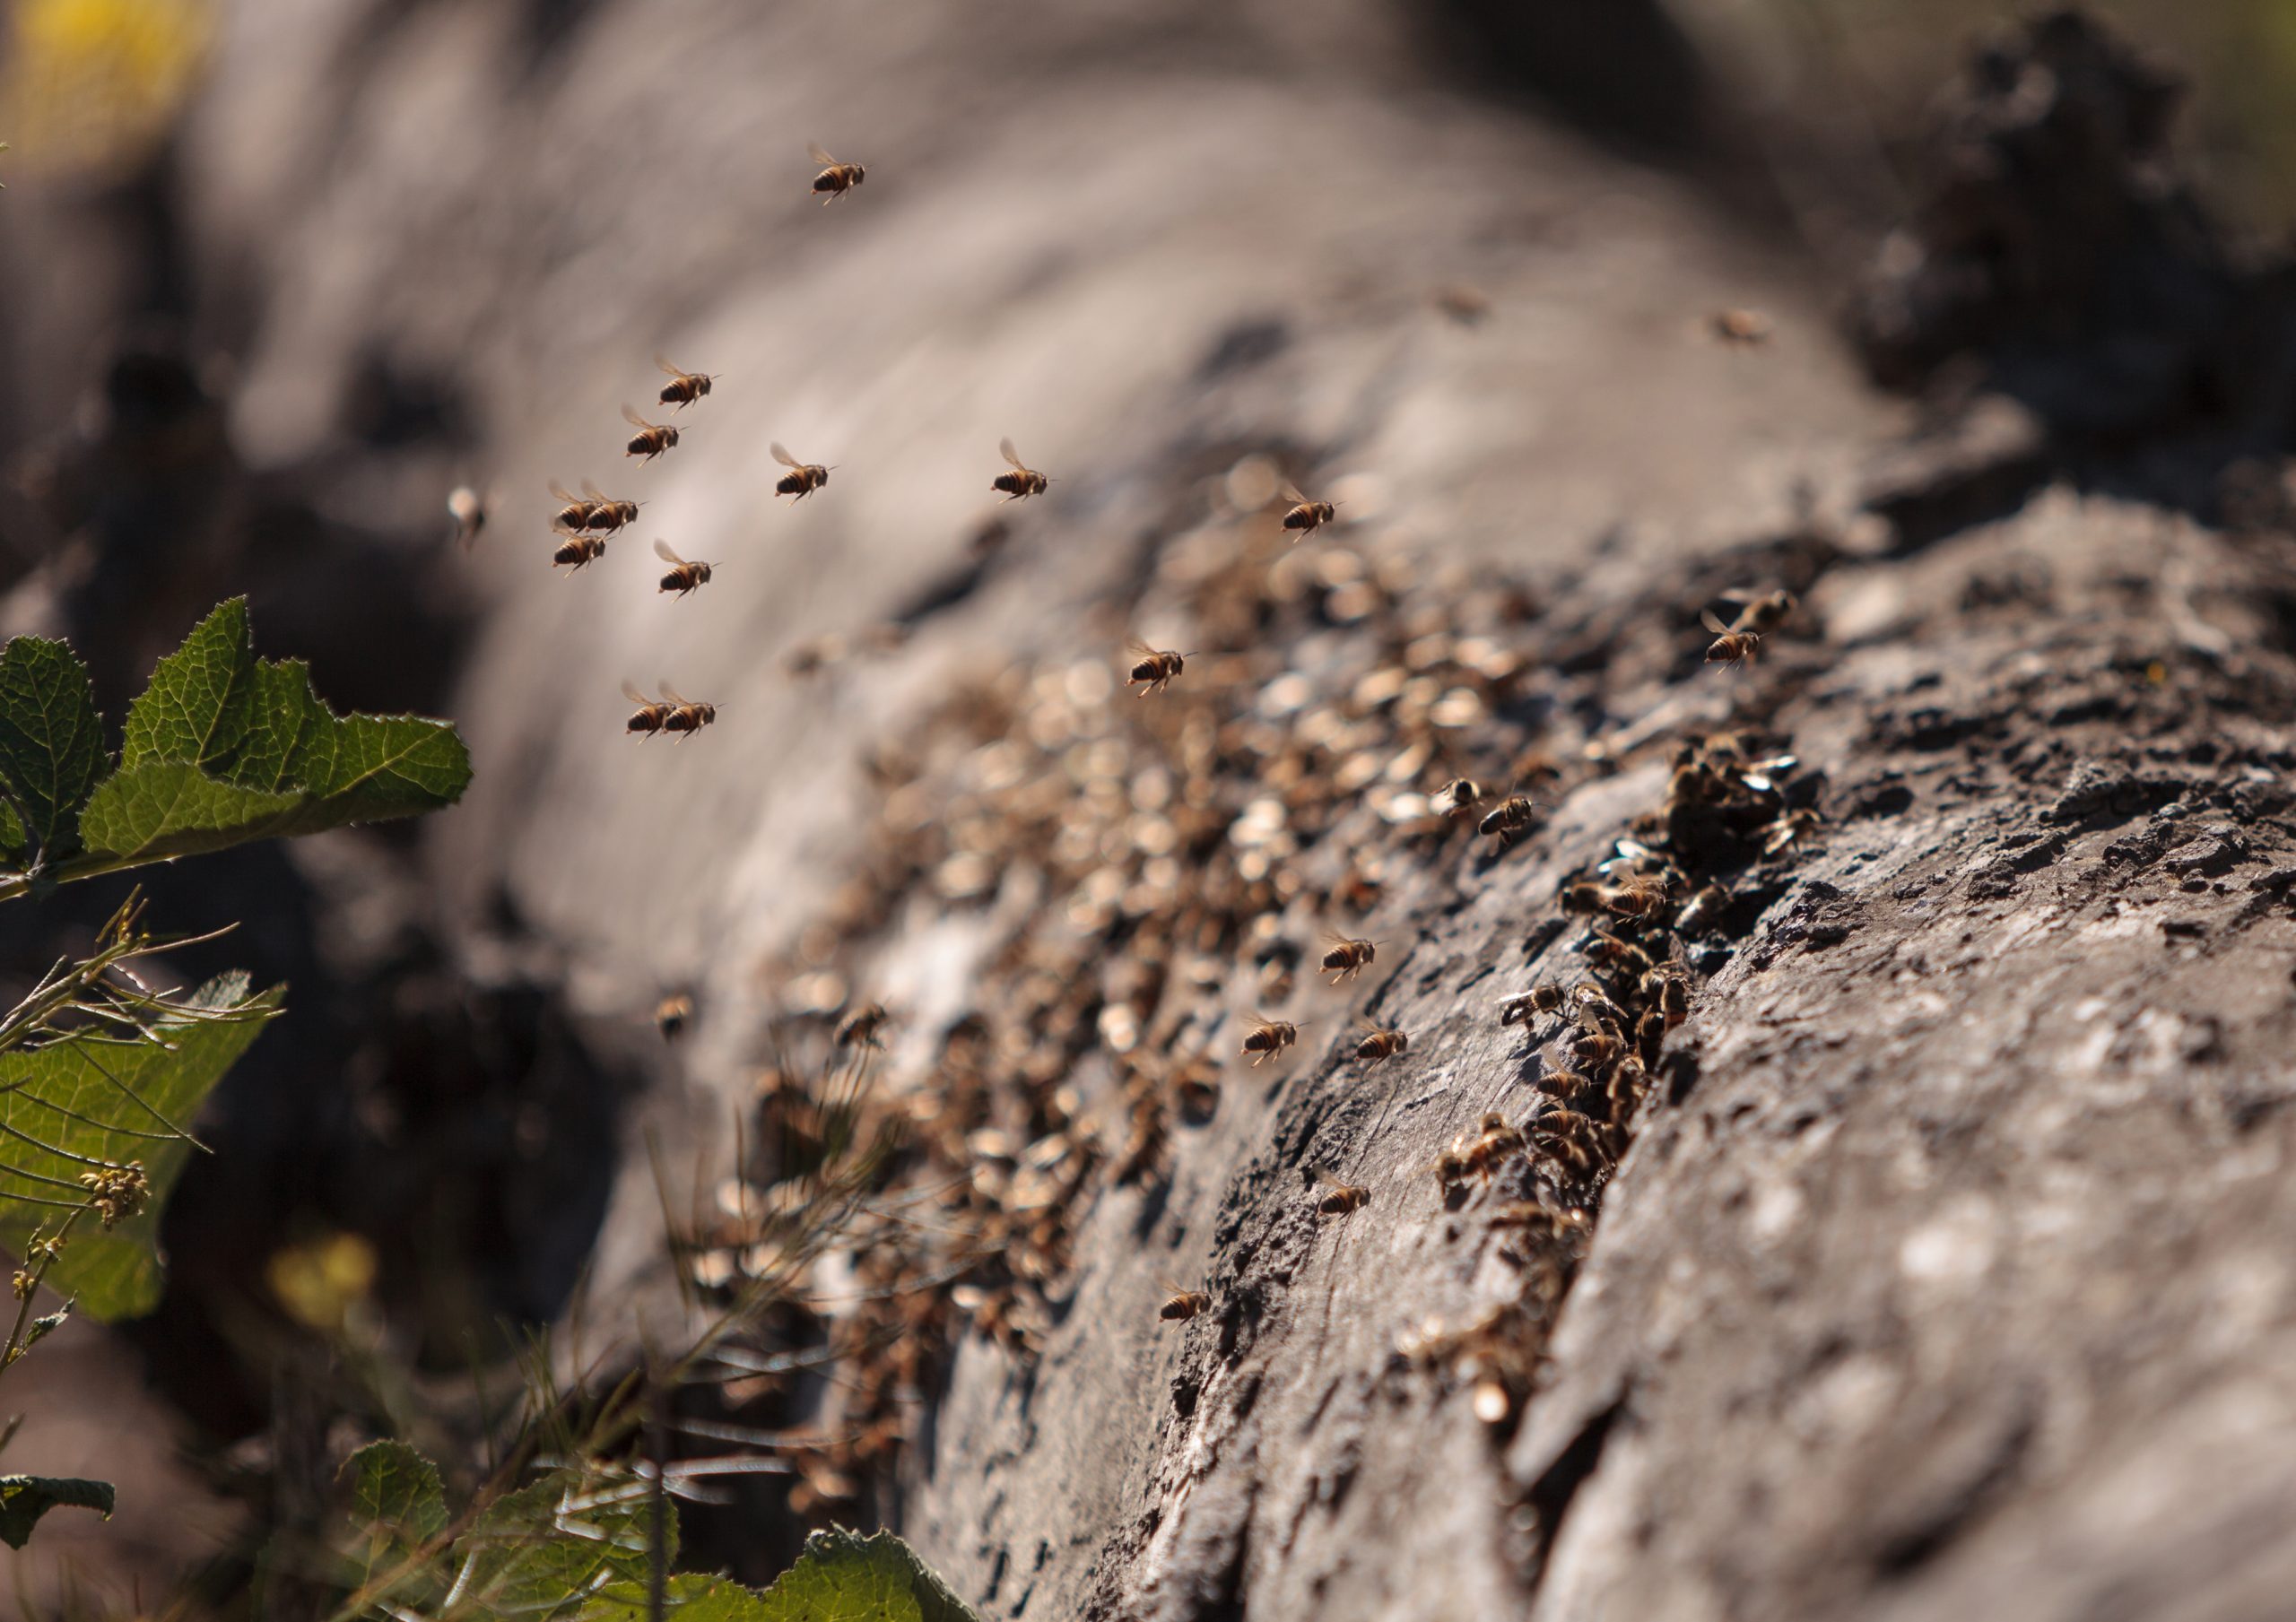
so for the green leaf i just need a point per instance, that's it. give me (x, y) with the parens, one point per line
(12, 851)
(51, 740)
(24, 1499)
(544, 1547)
(93, 1096)
(223, 748)
(397, 1490)
(840, 1578)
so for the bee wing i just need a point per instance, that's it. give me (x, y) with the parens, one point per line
(590, 490)
(675, 371)
(562, 493)
(1005, 449)
(1713, 623)
(781, 455)
(1290, 492)
(672, 693)
(819, 154)
(662, 550)
(633, 419)
(629, 691)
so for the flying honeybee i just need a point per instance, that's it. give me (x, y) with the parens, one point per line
(684, 387)
(1457, 796)
(1155, 667)
(683, 576)
(803, 477)
(1268, 1037)
(1348, 956)
(650, 715)
(1510, 818)
(1338, 1198)
(1022, 480)
(592, 512)
(1741, 638)
(1306, 517)
(580, 551)
(860, 1027)
(1378, 1043)
(651, 439)
(468, 510)
(1743, 327)
(835, 178)
(671, 1015)
(686, 715)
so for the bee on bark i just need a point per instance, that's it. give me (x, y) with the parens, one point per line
(1378, 1043)
(1155, 668)
(578, 550)
(1596, 1048)
(1185, 1303)
(1494, 1141)
(1702, 910)
(651, 715)
(1022, 480)
(862, 1026)
(1306, 517)
(1650, 1036)
(1607, 950)
(1338, 1198)
(687, 715)
(1349, 957)
(1638, 895)
(1458, 796)
(1268, 1037)
(684, 387)
(467, 509)
(1787, 830)
(1668, 983)
(1742, 328)
(651, 439)
(803, 479)
(835, 178)
(683, 576)
(1524, 1006)
(1509, 819)
(1595, 1008)
(671, 1014)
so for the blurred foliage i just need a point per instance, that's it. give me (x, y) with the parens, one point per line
(91, 86)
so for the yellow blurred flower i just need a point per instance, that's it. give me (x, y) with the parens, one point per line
(91, 86)
(321, 1283)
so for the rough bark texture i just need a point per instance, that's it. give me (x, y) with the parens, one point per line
(1945, 1269)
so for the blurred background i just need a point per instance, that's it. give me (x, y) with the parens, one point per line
(275, 279)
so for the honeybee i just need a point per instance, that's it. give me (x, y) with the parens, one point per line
(1638, 895)
(1673, 991)
(683, 576)
(1268, 1037)
(1520, 1007)
(1338, 1198)
(1494, 1141)
(468, 509)
(1741, 638)
(1022, 480)
(651, 713)
(1463, 303)
(1788, 829)
(860, 1026)
(1742, 327)
(1378, 1043)
(1349, 957)
(1306, 517)
(804, 477)
(1155, 668)
(684, 387)
(1607, 950)
(1596, 1048)
(835, 178)
(1508, 819)
(686, 715)
(671, 1015)
(1594, 1009)
(650, 441)
(1459, 794)
(1185, 1305)
(580, 551)
(1702, 909)
(1729, 646)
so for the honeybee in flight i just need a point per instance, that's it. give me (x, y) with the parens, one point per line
(1510, 818)
(1378, 1043)
(1022, 480)
(684, 387)
(1306, 517)
(1349, 957)
(1741, 638)
(803, 477)
(651, 439)
(835, 178)
(686, 715)
(1457, 796)
(683, 576)
(1268, 1037)
(1155, 668)
(591, 512)
(1184, 1305)
(468, 509)
(860, 1027)
(671, 1015)
(1743, 327)
(650, 715)
(580, 551)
